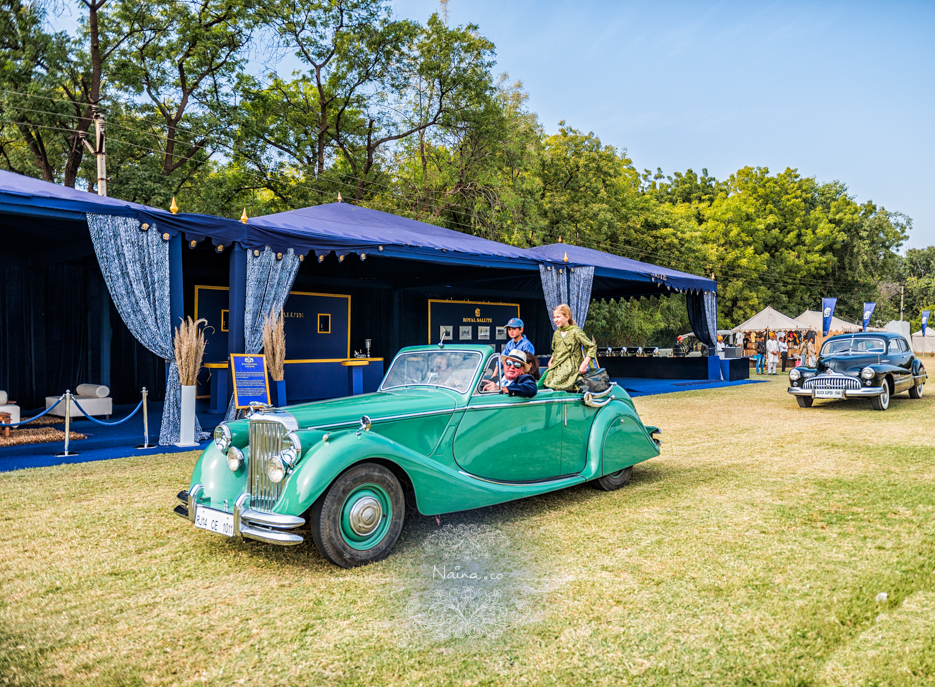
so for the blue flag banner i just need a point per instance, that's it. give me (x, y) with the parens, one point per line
(827, 312)
(925, 321)
(868, 312)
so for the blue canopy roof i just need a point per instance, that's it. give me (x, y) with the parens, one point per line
(22, 195)
(608, 268)
(345, 228)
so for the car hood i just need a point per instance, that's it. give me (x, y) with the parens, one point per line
(847, 364)
(382, 404)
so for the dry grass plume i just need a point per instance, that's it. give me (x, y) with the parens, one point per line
(189, 347)
(274, 344)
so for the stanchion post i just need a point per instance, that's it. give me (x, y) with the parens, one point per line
(66, 453)
(146, 443)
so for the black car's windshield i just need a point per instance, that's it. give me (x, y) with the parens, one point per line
(857, 345)
(449, 369)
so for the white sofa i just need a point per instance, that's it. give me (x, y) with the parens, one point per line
(7, 407)
(93, 398)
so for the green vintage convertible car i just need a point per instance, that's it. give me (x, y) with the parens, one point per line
(342, 470)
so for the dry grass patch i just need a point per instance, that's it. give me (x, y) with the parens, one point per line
(750, 553)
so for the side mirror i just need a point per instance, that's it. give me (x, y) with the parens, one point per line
(365, 424)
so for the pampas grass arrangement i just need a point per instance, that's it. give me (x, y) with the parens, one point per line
(189, 347)
(274, 345)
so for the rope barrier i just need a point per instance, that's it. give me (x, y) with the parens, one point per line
(106, 424)
(17, 424)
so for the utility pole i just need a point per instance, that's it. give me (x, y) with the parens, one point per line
(98, 150)
(901, 303)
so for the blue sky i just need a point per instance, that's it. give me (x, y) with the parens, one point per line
(838, 90)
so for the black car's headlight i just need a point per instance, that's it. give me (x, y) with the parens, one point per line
(223, 438)
(867, 373)
(794, 375)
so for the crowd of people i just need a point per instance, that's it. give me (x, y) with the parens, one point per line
(783, 349)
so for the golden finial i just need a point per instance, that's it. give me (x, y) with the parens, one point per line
(173, 208)
(559, 239)
(339, 196)
(566, 257)
(243, 217)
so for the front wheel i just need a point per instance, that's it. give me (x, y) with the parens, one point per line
(804, 401)
(882, 402)
(360, 517)
(614, 480)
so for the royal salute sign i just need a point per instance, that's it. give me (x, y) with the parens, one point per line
(251, 385)
(470, 322)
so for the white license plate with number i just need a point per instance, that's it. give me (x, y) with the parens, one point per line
(214, 521)
(829, 393)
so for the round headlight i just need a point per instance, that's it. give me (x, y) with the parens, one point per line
(867, 373)
(234, 458)
(275, 470)
(290, 448)
(222, 437)
(794, 375)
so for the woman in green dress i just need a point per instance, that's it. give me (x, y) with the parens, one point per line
(568, 362)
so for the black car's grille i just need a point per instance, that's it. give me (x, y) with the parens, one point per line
(832, 382)
(265, 439)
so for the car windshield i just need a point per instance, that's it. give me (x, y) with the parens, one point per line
(449, 369)
(857, 345)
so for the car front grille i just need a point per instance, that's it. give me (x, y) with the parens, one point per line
(832, 382)
(265, 439)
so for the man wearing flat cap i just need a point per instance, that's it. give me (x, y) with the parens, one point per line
(516, 380)
(514, 330)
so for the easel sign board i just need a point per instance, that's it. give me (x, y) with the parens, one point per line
(251, 385)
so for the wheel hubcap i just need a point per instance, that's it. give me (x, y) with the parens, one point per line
(365, 516)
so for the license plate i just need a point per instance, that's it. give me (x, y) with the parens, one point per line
(214, 521)
(829, 393)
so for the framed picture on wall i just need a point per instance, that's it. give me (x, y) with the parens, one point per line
(445, 332)
(501, 333)
(466, 333)
(483, 333)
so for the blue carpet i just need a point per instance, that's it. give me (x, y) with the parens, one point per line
(103, 443)
(652, 387)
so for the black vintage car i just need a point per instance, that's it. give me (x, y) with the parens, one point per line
(872, 365)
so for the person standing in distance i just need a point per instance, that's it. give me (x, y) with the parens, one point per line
(517, 342)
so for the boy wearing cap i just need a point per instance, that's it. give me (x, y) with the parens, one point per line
(516, 380)
(514, 330)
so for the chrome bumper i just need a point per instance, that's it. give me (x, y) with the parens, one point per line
(253, 524)
(863, 392)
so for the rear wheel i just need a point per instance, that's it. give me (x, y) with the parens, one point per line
(916, 391)
(360, 517)
(614, 480)
(882, 402)
(804, 401)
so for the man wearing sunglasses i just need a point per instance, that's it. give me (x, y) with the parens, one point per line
(516, 381)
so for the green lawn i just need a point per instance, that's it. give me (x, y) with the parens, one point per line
(752, 552)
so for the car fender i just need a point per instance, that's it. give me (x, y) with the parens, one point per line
(618, 439)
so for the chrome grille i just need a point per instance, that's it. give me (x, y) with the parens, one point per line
(265, 439)
(832, 382)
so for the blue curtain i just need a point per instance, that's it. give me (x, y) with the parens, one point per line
(270, 277)
(567, 285)
(135, 265)
(702, 315)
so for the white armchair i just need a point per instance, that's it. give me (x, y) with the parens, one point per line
(7, 407)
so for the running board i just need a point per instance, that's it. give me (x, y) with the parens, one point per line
(523, 484)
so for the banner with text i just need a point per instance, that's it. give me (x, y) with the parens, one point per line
(827, 312)
(868, 313)
(470, 322)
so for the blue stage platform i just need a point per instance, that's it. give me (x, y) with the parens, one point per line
(106, 443)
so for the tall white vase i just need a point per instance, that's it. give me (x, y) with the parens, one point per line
(187, 430)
